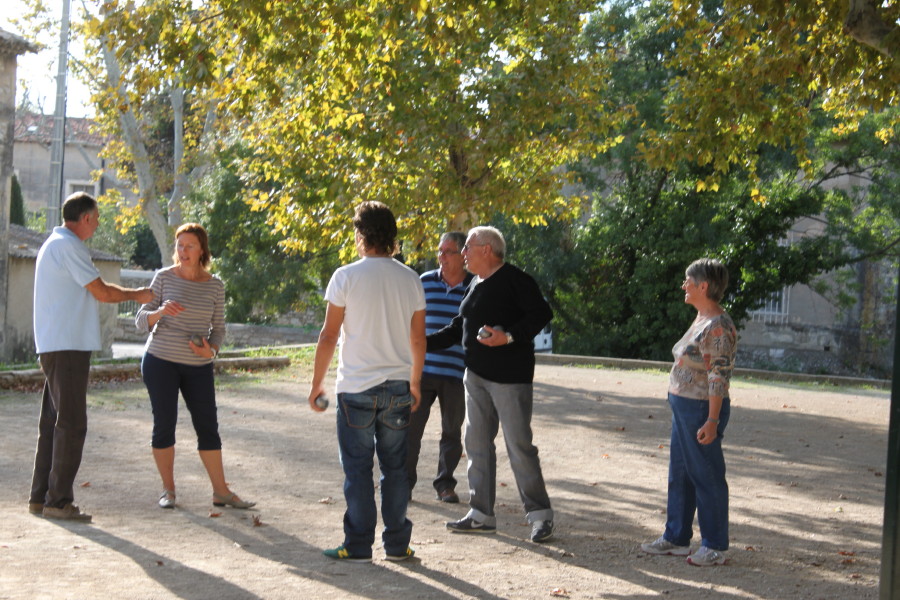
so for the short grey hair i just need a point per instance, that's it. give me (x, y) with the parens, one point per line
(492, 237)
(457, 237)
(713, 273)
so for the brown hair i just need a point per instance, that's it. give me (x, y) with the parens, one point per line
(198, 230)
(77, 205)
(375, 222)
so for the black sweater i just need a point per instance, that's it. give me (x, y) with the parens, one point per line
(511, 299)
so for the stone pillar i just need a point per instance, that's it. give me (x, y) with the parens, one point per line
(11, 46)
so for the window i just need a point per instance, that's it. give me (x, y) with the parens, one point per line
(774, 309)
(81, 186)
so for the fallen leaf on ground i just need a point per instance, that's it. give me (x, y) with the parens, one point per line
(213, 515)
(559, 592)
(86, 484)
(257, 522)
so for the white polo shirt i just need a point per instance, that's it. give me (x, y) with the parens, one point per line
(66, 314)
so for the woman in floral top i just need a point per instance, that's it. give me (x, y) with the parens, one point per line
(698, 395)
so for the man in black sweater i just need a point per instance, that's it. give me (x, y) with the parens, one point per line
(500, 315)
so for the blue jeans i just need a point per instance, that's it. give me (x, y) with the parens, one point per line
(696, 476)
(370, 422)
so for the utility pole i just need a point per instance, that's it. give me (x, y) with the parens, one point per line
(890, 541)
(58, 145)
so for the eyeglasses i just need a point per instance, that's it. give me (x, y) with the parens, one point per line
(468, 247)
(448, 252)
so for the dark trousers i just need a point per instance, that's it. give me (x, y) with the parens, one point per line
(164, 379)
(62, 427)
(452, 395)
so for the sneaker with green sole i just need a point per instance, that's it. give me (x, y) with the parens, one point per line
(399, 557)
(341, 553)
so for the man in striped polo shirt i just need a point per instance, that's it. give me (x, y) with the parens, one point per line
(443, 372)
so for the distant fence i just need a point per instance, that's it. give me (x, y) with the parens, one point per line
(237, 335)
(132, 278)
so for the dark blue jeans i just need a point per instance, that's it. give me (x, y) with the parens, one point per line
(697, 476)
(375, 422)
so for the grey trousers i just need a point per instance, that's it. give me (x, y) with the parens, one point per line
(490, 405)
(62, 428)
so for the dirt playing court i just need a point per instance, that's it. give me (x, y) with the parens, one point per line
(805, 464)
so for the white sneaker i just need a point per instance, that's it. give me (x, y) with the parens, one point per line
(706, 557)
(664, 546)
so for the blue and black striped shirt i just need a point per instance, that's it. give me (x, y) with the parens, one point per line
(441, 305)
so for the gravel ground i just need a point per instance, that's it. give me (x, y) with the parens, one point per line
(805, 464)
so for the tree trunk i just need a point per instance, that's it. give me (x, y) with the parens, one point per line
(131, 133)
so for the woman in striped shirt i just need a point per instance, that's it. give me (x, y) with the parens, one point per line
(186, 320)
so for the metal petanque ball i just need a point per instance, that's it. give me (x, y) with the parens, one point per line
(484, 333)
(197, 339)
(322, 401)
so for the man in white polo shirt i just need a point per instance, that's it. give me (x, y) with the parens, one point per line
(67, 292)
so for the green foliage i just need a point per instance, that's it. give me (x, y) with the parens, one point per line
(758, 73)
(17, 204)
(449, 112)
(145, 251)
(261, 278)
(614, 281)
(136, 245)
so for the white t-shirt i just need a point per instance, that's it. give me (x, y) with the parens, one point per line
(379, 297)
(66, 315)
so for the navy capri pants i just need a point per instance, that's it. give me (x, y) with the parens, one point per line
(164, 379)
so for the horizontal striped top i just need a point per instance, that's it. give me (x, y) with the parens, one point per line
(204, 314)
(441, 305)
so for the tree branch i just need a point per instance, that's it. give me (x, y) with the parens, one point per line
(864, 24)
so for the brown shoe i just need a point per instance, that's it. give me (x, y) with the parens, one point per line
(448, 496)
(36, 508)
(69, 512)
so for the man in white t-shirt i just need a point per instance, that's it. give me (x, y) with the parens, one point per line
(376, 309)
(67, 292)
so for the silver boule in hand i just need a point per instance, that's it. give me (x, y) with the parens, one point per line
(197, 339)
(322, 401)
(484, 333)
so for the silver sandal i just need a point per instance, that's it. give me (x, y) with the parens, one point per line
(167, 499)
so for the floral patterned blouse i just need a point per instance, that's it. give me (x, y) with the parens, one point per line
(704, 359)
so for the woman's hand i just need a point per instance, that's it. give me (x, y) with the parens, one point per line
(707, 434)
(205, 351)
(169, 307)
